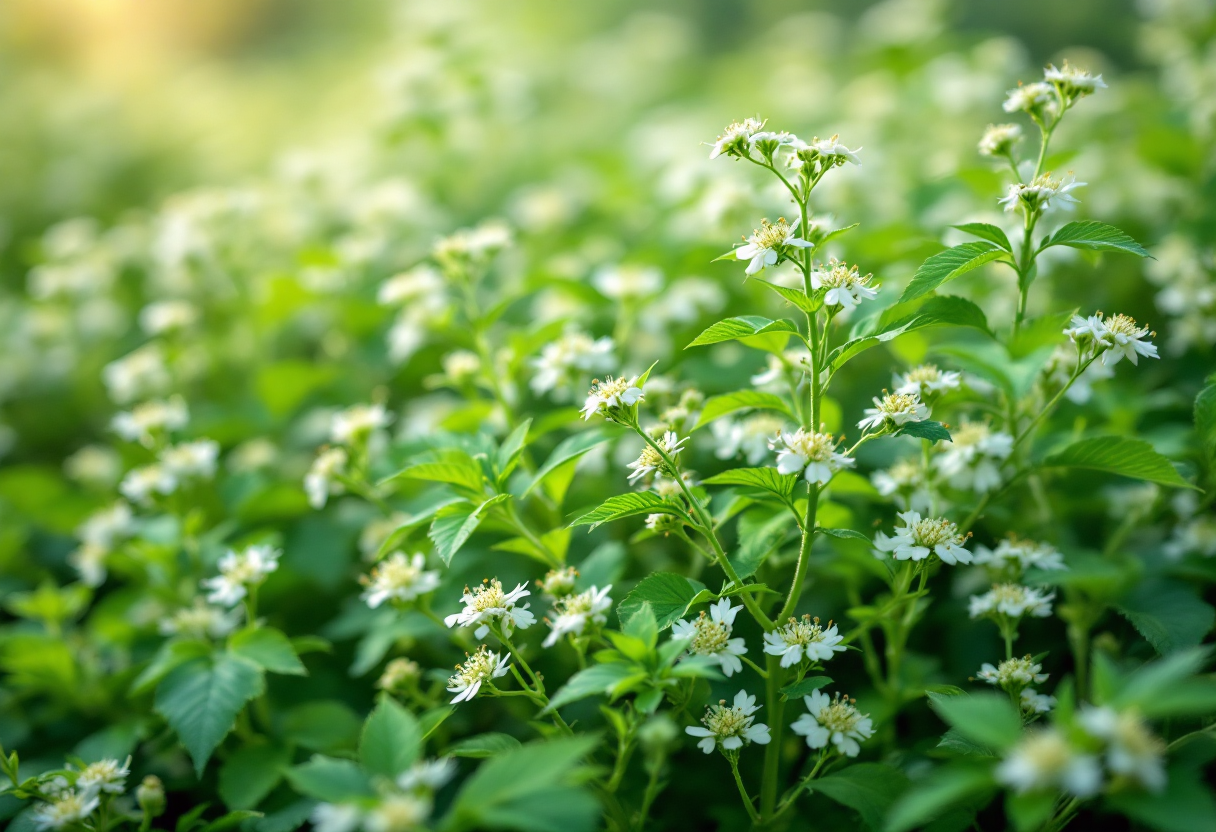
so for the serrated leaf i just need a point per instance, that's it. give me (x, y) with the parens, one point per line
(767, 479)
(949, 264)
(842, 534)
(201, 699)
(867, 788)
(796, 296)
(1170, 615)
(597, 680)
(268, 648)
(1121, 455)
(667, 593)
(925, 429)
(329, 779)
(572, 447)
(510, 449)
(629, 505)
(946, 310)
(718, 406)
(986, 718)
(453, 525)
(251, 773)
(987, 231)
(483, 745)
(391, 740)
(934, 795)
(806, 687)
(467, 476)
(834, 233)
(1205, 425)
(1094, 236)
(745, 326)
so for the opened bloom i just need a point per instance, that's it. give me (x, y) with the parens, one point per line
(894, 410)
(399, 578)
(730, 726)
(239, 571)
(322, 481)
(607, 398)
(356, 424)
(1012, 601)
(973, 457)
(488, 604)
(711, 636)
(768, 244)
(107, 775)
(64, 811)
(1017, 555)
(1013, 674)
(483, 666)
(573, 353)
(920, 537)
(833, 720)
(999, 139)
(1045, 759)
(574, 613)
(1132, 750)
(803, 638)
(650, 461)
(811, 454)
(843, 285)
(1072, 83)
(736, 138)
(927, 380)
(1041, 193)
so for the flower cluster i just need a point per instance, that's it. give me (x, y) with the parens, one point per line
(836, 721)
(893, 411)
(842, 285)
(919, 538)
(804, 639)
(811, 454)
(730, 727)
(711, 636)
(1113, 338)
(489, 606)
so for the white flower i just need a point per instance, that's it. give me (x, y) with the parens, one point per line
(487, 604)
(730, 727)
(398, 673)
(1124, 339)
(894, 410)
(999, 139)
(1041, 193)
(905, 481)
(1132, 750)
(927, 380)
(805, 638)
(321, 480)
(711, 636)
(166, 315)
(191, 460)
(649, 461)
(201, 621)
(749, 437)
(1034, 702)
(1021, 554)
(472, 244)
(768, 141)
(67, 810)
(1044, 759)
(573, 613)
(356, 424)
(146, 422)
(90, 561)
(828, 153)
(106, 775)
(973, 456)
(460, 366)
(106, 527)
(336, 817)
(833, 720)
(1013, 674)
(1030, 98)
(1073, 83)
(835, 152)
(398, 813)
(1059, 369)
(845, 287)
(811, 454)
(918, 538)
(609, 396)
(140, 484)
(774, 376)
(768, 244)
(398, 578)
(1012, 601)
(483, 666)
(136, 375)
(427, 775)
(736, 138)
(421, 284)
(1197, 535)
(627, 282)
(239, 571)
(574, 353)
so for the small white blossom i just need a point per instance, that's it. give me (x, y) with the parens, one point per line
(803, 639)
(89, 560)
(108, 775)
(768, 244)
(421, 284)
(811, 454)
(711, 636)
(427, 775)
(1114, 338)
(1012, 601)
(65, 811)
(1041, 193)
(736, 138)
(399, 578)
(483, 666)
(321, 481)
(906, 482)
(147, 422)
(1059, 370)
(355, 424)
(1197, 535)
(336, 817)
(926, 381)
(106, 527)
(649, 461)
(201, 620)
(560, 361)
(191, 460)
(894, 410)
(137, 375)
(1034, 702)
(1020, 554)
(461, 366)
(167, 315)
(1073, 83)
(1035, 99)
(398, 813)
(843, 286)
(999, 139)
(918, 538)
(488, 604)
(239, 571)
(574, 613)
(748, 437)
(558, 583)
(730, 726)
(627, 282)
(833, 720)
(973, 456)
(472, 244)
(141, 484)
(1013, 674)
(824, 153)
(1132, 750)
(608, 397)
(1045, 759)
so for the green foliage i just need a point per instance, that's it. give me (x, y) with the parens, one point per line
(949, 264)
(1118, 455)
(867, 788)
(1095, 236)
(201, 699)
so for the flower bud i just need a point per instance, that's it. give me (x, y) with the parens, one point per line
(151, 796)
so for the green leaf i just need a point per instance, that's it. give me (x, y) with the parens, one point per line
(597, 680)
(463, 474)
(834, 233)
(251, 773)
(1121, 455)
(1095, 236)
(1205, 424)
(329, 779)
(268, 648)
(572, 447)
(325, 725)
(926, 429)
(986, 718)
(200, 700)
(483, 745)
(1170, 615)
(760, 534)
(454, 524)
(1168, 686)
(944, 789)
(170, 655)
(629, 505)
(946, 310)
(796, 296)
(806, 687)
(842, 534)
(948, 265)
(668, 593)
(718, 406)
(1185, 805)
(764, 478)
(511, 448)
(868, 788)
(391, 740)
(732, 329)
(986, 231)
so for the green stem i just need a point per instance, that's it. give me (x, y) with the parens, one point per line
(790, 798)
(747, 801)
(1047, 408)
(506, 642)
(771, 777)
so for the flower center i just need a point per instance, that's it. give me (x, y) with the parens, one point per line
(893, 403)
(840, 716)
(803, 632)
(812, 446)
(771, 234)
(488, 596)
(1124, 325)
(709, 636)
(934, 530)
(724, 721)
